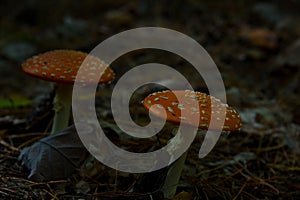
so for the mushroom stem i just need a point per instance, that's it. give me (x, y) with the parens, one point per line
(171, 182)
(199, 117)
(62, 107)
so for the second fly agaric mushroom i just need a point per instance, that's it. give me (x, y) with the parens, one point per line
(167, 102)
(61, 67)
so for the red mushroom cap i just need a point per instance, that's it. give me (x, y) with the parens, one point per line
(62, 66)
(167, 102)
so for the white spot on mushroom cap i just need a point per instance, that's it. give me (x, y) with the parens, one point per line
(204, 125)
(68, 71)
(204, 118)
(164, 97)
(159, 106)
(194, 109)
(170, 110)
(225, 127)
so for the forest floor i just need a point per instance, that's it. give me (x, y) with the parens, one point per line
(256, 47)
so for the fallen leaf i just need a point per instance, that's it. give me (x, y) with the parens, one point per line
(54, 157)
(183, 196)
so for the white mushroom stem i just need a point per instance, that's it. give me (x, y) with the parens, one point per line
(173, 177)
(62, 107)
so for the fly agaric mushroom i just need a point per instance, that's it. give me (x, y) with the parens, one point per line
(167, 100)
(165, 104)
(61, 67)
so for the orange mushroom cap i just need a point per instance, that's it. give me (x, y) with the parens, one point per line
(61, 66)
(167, 102)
